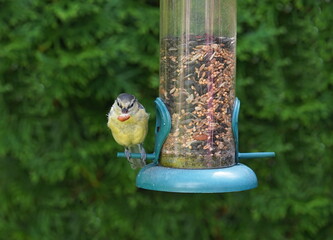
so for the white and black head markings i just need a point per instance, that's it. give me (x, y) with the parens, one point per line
(126, 102)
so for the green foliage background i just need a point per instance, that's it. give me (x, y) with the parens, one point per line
(62, 63)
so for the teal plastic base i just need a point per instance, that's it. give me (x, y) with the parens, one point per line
(218, 180)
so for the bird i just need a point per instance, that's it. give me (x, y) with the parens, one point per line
(128, 122)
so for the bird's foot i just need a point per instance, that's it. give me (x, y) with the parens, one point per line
(127, 153)
(143, 155)
(129, 159)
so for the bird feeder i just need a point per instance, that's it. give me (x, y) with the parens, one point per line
(196, 145)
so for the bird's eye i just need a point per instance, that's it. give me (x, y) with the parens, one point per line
(131, 105)
(118, 103)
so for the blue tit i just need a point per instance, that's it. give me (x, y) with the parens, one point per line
(128, 121)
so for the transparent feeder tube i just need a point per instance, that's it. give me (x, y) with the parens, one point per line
(197, 81)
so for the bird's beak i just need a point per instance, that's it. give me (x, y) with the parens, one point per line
(123, 117)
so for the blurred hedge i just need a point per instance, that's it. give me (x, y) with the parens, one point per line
(63, 62)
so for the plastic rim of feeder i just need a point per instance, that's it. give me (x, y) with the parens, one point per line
(230, 179)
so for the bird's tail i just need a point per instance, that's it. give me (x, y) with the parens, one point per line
(137, 162)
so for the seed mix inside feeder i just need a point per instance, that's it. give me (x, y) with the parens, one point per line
(197, 85)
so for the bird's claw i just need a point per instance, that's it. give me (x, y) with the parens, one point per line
(143, 155)
(127, 154)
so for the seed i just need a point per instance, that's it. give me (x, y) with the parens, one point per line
(202, 67)
(190, 98)
(200, 137)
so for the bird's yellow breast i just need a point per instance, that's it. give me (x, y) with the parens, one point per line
(132, 131)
